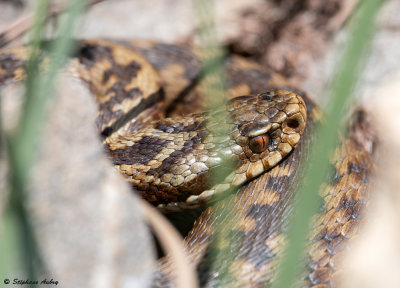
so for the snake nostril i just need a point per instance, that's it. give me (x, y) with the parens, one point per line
(293, 123)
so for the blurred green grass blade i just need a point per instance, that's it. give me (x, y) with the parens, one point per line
(14, 233)
(11, 256)
(211, 54)
(213, 87)
(38, 25)
(342, 86)
(29, 101)
(39, 85)
(23, 144)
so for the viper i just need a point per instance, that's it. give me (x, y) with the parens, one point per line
(152, 119)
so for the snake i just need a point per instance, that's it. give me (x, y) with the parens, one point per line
(154, 128)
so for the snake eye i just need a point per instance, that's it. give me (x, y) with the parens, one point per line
(259, 144)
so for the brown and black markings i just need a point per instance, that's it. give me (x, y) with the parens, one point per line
(10, 64)
(124, 83)
(251, 223)
(180, 72)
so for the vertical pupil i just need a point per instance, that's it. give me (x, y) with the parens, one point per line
(259, 144)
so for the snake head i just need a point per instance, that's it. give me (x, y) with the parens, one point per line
(267, 127)
(264, 129)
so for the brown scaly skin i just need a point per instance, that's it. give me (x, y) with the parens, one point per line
(169, 160)
(252, 221)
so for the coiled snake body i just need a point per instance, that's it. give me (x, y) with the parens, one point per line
(168, 160)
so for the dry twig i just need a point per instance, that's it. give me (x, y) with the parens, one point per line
(171, 241)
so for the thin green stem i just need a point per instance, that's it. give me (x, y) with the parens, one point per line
(342, 87)
(22, 145)
(212, 55)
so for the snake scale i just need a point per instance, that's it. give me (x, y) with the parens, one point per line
(168, 160)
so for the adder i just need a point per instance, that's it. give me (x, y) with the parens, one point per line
(150, 114)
